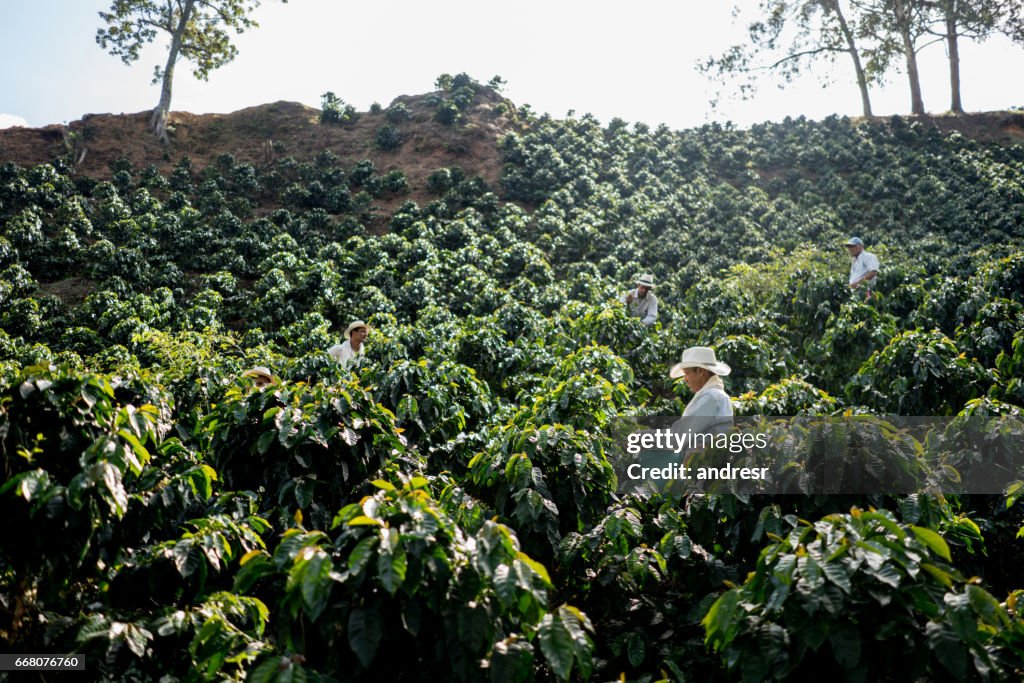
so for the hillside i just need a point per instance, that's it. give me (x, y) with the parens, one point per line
(455, 503)
(266, 133)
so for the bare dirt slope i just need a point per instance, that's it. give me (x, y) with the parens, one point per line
(1003, 127)
(267, 132)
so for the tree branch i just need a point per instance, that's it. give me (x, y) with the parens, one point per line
(939, 39)
(226, 18)
(798, 55)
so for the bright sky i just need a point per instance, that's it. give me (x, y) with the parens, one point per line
(557, 55)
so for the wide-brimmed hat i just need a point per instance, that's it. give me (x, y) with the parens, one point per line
(646, 280)
(355, 325)
(855, 242)
(259, 371)
(699, 357)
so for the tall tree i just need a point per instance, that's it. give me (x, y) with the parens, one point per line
(972, 19)
(896, 29)
(787, 39)
(836, 10)
(199, 32)
(909, 19)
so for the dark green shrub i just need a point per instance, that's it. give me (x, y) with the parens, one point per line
(1011, 371)
(398, 113)
(334, 110)
(918, 373)
(461, 604)
(642, 547)
(307, 447)
(447, 113)
(462, 97)
(497, 83)
(991, 331)
(444, 179)
(861, 597)
(463, 80)
(361, 173)
(394, 182)
(789, 396)
(389, 138)
(71, 452)
(546, 480)
(434, 401)
(849, 339)
(755, 364)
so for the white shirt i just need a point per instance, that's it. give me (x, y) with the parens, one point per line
(862, 264)
(709, 411)
(645, 308)
(344, 354)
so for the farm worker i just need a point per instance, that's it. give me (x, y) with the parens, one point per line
(863, 268)
(641, 302)
(353, 346)
(710, 406)
(261, 376)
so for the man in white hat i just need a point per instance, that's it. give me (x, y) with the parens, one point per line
(261, 376)
(863, 268)
(703, 373)
(353, 346)
(641, 302)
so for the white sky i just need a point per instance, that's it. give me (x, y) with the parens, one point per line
(635, 61)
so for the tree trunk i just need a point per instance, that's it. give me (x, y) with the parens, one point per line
(902, 12)
(954, 62)
(862, 81)
(159, 119)
(916, 101)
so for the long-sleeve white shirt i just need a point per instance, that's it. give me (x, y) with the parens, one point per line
(863, 264)
(709, 411)
(344, 354)
(645, 308)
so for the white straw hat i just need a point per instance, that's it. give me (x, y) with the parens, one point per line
(258, 371)
(355, 326)
(646, 280)
(699, 357)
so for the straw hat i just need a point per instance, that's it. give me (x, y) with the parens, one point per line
(699, 357)
(646, 280)
(259, 371)
(355, 325)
